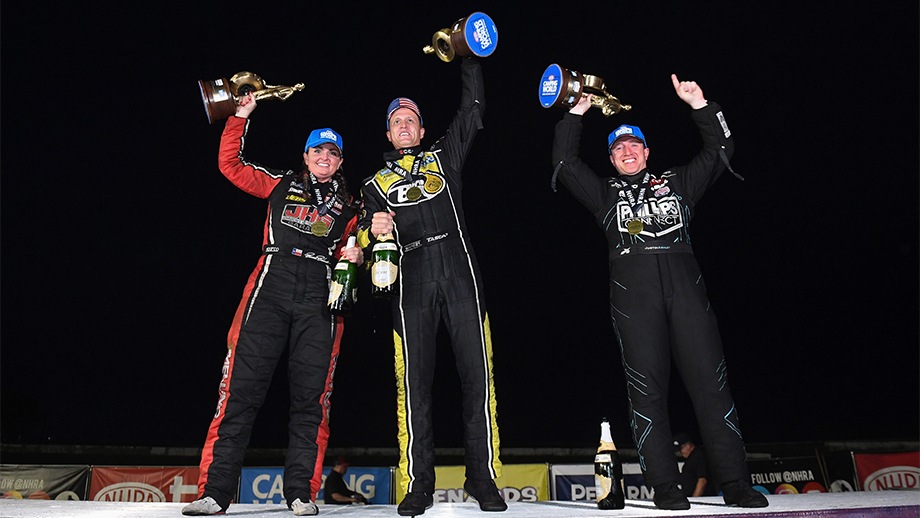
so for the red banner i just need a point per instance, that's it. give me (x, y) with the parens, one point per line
(160, 484)
(883, 471)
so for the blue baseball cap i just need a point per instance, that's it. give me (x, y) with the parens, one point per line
(625, 130)
(403, 102)
(323, 135)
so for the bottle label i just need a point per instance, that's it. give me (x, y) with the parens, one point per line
(383, 274)
(342, 265)
(603, 485)
(385, 246)
(335, 290)
(603, 457)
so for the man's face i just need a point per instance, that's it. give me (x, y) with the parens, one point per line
(405, 129)
(628, 155)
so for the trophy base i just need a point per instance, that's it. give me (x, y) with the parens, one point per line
(218, 101)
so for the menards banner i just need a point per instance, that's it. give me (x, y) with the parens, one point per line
(518, 483)
(43, 482)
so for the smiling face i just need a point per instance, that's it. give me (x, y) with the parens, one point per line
(323, 161)
(629, 155)
(405, 129)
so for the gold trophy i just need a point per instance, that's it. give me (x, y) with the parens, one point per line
(221, 96)
(475, 35)
(563, 87)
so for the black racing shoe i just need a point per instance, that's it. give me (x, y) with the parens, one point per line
(485, 492)
(415, 503)
(740, 493)
(670, 498)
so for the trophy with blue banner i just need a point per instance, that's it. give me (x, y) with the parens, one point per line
(221, 96)
(475, 35)
(564, 87)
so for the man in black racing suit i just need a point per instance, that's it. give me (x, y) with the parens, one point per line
(658, 300)
(417, 198)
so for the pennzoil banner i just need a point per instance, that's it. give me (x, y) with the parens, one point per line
(575, 482)
(148, 484)
(37, 482)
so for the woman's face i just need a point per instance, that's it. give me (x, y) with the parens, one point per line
(323, 161)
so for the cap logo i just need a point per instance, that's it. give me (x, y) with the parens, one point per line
(327, 134)
(623, 131)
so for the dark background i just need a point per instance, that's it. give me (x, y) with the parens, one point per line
(125, 251)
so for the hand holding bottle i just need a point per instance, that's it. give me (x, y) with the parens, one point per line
(382, 223)
(353, 254)
(344, 287)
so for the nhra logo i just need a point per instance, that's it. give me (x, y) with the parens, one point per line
(130, 492)
(329, 135)
(895, 477)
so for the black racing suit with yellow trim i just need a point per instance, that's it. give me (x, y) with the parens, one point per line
(658, 301)
(438, 279)
(283, 308)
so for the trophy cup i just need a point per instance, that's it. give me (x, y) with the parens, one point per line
(564, 87)
(475, 35)
(221, 96)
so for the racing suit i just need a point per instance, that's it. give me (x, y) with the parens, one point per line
(658, 301)
(283, 307)
(438, 279)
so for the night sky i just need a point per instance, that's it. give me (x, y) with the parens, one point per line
(125, 251)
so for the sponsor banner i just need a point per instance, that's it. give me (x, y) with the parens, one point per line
(266, 485)
(36, 482)
(518, 483)
(787, 476)
(883, 471)
(841, 473)
(147, 484)
(575, 482)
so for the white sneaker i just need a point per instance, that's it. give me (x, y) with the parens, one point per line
(302, 508)
(203, 507)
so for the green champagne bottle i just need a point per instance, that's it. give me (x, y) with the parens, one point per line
(385, 268)
(344, 287)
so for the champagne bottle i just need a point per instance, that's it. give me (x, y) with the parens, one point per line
(344, 287)
(608, 472)
(385, 267)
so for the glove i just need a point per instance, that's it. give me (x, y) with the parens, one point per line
(359, 499)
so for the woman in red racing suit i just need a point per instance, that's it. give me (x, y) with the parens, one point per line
(284, 307)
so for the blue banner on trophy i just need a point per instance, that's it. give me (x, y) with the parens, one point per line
(562, 87)
(474, 35)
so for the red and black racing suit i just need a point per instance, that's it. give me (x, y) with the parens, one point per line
(658, 301)
(283, 307)
(438, 279)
